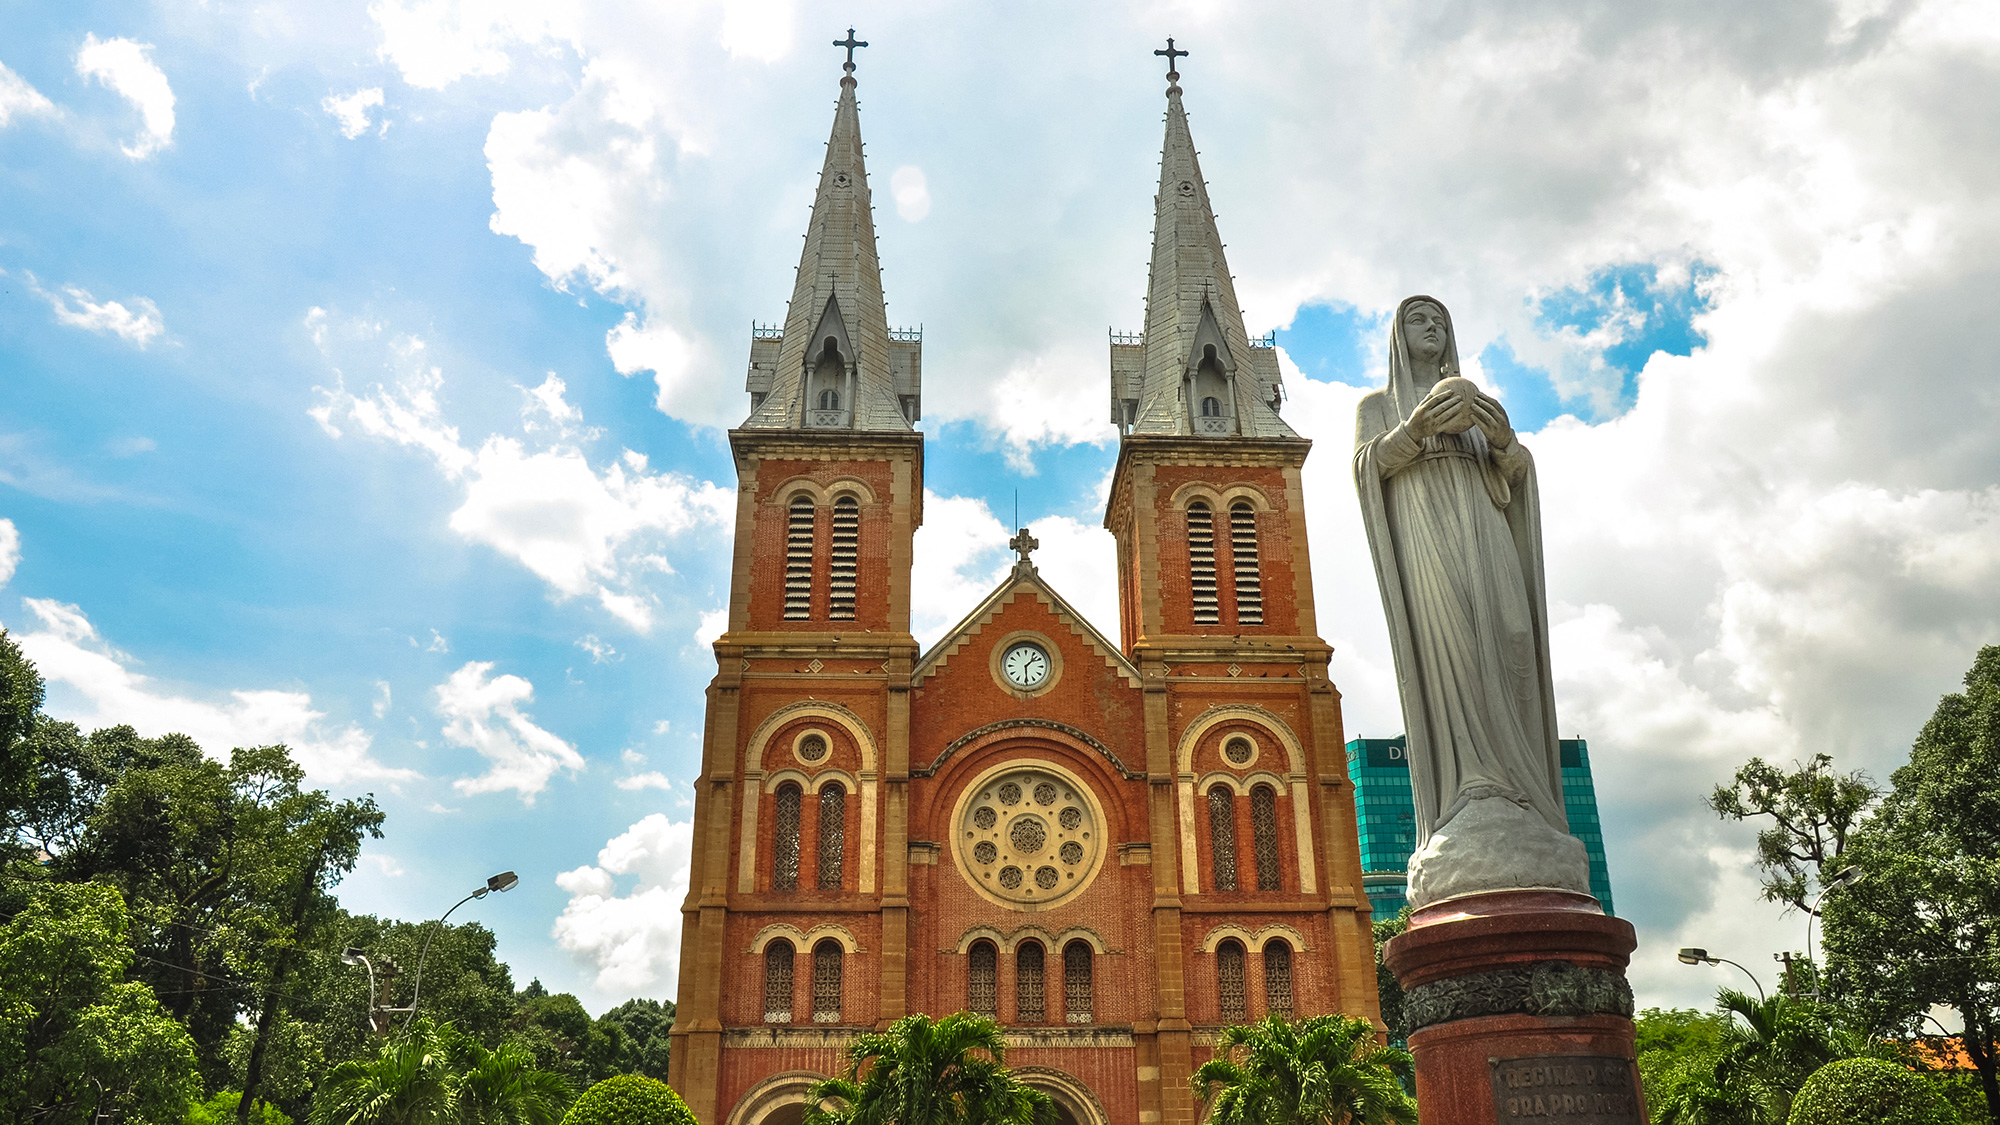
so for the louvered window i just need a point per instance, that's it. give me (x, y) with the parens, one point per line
(778, 958)
(1076, 982)
(1201, 562)
(846, 557)
(826, 981)
(799, 559)
(1278, 978)
(832, 834)
(785, 856)
(1229, 981)
(982, 992)
(1222, 836)
(1030, 1003)
(1264, 826)
(1243, 551)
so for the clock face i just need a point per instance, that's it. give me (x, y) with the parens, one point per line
(1025, 665)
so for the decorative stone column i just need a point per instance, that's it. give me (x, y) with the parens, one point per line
(1519, 1010)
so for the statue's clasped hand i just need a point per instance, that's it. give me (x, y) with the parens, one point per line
(1456, 405)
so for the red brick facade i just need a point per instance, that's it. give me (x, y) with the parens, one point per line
(806, 707)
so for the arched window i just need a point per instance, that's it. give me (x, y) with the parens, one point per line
(982, 991)
(832, 834)
(846, 558)
(826, 981)
(1211, 407)
(1229, 981)
(1201, 562)
(1076, 982)
(1030, 1005)
(829, 400)
(785, 856)
(1222, 836)
(799, 558)
(1278, 977)
(778, 958)
(1264, 827)
(1243, 551)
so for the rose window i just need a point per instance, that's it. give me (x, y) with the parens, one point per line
(1029, 835)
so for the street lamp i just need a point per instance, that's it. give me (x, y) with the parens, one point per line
(505, 881)
(353, 956)
(1693, 956)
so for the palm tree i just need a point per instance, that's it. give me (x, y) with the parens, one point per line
(950, 1071)
(1321, 1070)
(436, 1075)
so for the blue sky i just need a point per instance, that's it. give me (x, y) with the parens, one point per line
(363, 371)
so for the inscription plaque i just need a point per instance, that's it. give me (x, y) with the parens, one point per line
(1566, 1090)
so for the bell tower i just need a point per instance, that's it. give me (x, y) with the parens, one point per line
(799, 857)
(1216, 611)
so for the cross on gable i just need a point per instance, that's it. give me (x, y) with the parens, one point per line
(1173, 71)
(851, 42)
(1023, 544)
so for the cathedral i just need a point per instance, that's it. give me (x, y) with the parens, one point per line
(1114, 845)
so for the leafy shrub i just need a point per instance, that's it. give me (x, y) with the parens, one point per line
(1869, 1090)
(630, 1099)
(221, 1110)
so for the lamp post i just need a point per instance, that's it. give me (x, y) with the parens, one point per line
(1846, 876)
(505, 881)
(1692, 956)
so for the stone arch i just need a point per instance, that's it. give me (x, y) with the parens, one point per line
(1208, 781)
(753, 787)
(804, 940)
(1083, 934)
(1295, 786)
(1249, 492)
(851, 486)
(980, 933)
(1196, 490)
(1070, 1095)
(1223, 932)
(791, 487)
(777, 1100)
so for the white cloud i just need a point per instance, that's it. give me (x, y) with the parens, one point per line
(483, 713)
(714, 623)
(912, 193)
(10, 550)
(125, 67)
(352, 111)
(438, 643)
(600, 653)
(587, 532)
(94, 686)
(652, 779)
(632, 940)
(17, 97)
(76, 308)
(381, 704)
(961, 552)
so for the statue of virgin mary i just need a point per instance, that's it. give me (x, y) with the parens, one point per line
(1449, 499)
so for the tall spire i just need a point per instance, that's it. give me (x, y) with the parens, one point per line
(836, 365)
(1196, 371)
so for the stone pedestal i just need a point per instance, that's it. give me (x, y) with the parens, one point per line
(1519, 1010)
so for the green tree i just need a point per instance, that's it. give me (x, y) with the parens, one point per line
(20, 713)
(78, 1041)
(562, 1036)
(1674, 1044)
(950, 1071)
(645, 1025)
(1922, 926)
(221, 1110)
(1321, 1070)
(1386, 984)
(630, 1099)
(436, 1075)
(1813, 811)
(1869, 1090)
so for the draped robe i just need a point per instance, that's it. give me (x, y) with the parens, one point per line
(1455, 530)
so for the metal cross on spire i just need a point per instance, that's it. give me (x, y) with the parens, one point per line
(1024, 544)
(1173, 72)
(851, 42)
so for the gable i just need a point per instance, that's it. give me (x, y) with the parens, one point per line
(1062, 618)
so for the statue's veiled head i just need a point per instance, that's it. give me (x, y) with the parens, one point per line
(1422, 349)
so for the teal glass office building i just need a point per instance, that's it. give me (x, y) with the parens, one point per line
(1386, 815)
